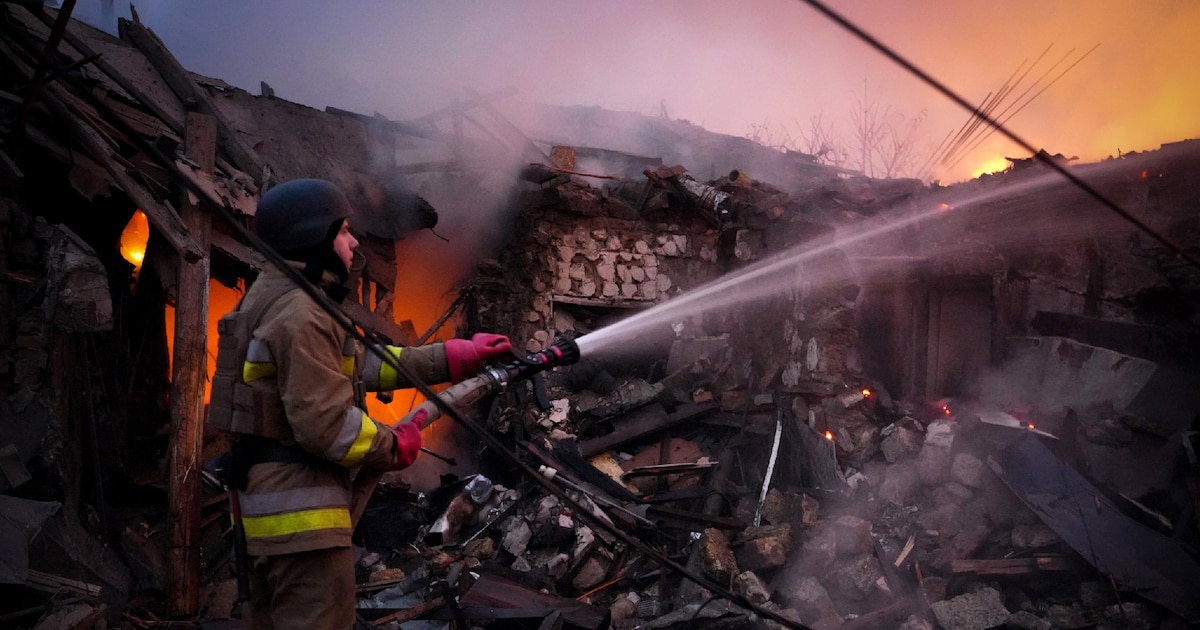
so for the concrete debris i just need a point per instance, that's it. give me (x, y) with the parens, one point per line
(979, 610)
(870, 434)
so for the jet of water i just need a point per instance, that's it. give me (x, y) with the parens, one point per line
(823, 262)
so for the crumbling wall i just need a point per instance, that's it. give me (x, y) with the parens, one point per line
(559, 256)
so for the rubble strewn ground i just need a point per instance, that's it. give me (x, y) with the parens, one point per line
(986, 419)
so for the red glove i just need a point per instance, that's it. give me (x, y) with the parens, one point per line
(466, 358)
(408, 441)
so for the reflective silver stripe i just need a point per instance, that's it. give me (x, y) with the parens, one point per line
(259, 362)
(294, 500)
(259, 352)
(353, 440)
(370, 375)
(378, 376)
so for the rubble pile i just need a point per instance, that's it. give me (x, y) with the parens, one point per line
(914, 530)
(755, 451)
(769, 457)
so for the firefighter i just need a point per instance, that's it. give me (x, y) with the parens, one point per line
(285, 388)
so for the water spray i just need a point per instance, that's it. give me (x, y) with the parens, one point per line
(826, 261)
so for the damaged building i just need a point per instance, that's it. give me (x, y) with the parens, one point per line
(804, 398)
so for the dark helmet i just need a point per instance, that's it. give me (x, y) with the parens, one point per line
(295, 217)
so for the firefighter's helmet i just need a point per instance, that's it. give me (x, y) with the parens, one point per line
(295, 217)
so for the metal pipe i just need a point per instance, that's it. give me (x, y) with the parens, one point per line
(762, 496)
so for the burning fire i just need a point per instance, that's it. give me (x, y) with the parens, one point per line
(829, 435)
(945, 207)
(221, 300)
(133, 240)
(991, 165)
(866, 393)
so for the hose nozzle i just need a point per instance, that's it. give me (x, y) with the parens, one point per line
(562, 351)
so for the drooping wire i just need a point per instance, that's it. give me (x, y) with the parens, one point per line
(1005, 131)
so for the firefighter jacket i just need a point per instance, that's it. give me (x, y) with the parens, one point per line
(296, 388)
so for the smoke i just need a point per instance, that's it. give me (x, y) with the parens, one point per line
(724, 66)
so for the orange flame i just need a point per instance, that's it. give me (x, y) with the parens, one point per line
(946, 409)
(866, 393)
(945, 206)
(1031, 426)
(133, 240)
(829, 435)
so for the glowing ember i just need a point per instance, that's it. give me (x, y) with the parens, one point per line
(829, 435)
(946, 409)
(866, 393)
(945, 206)
(1031, 426)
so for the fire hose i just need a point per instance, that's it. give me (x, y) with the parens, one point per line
(484, 382)
(498, 378)
(491, 380)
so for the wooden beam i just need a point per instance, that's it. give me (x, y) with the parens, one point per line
(138, 120)
(42, 72)
(162, 216)
(188, 375)
(1010, 566)
(365, 317)
(177, 78)
(51, 583)
(233, 248)
(640, 423)
(170, 119)
(409, 614)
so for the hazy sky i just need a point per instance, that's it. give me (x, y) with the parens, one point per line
(730, 67)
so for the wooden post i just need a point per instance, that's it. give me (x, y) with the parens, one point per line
(188, 372)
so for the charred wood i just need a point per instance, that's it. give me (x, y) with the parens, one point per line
(491, 592)
(189, 93)
(1012, 566)
(188, 383)
(172, 121)
(162, 216)
(641, 423)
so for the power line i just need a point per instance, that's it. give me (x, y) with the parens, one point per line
(1041, 156)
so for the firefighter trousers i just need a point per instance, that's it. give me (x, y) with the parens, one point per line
(309, 589)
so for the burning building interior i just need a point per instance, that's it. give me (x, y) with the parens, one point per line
(759, 391)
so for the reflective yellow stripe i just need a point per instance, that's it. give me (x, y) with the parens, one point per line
(296, 522)
(348, 366)
(253, 371)
(387, 373)
(362, 444)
